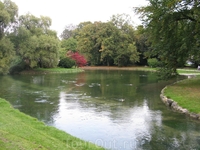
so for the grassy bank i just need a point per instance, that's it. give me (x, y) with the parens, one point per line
(19, 132)
(145, 68)
(51, 70)
(188, 71)
(186, 93)
(118, 68)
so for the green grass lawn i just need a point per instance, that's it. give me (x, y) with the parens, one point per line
(189, 71)
(186, 93)
(51, 70)
(22, 132)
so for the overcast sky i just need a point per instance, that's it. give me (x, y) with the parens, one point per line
(64, 12)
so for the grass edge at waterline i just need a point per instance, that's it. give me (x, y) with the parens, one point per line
(20, 131)
(186, 94)
(51, 70)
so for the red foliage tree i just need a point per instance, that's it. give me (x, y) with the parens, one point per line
(79, 59)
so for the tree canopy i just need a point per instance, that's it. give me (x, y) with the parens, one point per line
(108, 43)
(174, 31)
(8, 13)
(27, 41)
(35, 43)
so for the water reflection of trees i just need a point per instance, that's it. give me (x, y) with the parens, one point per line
(177, 135)
(117, 84)
(141, 104)
(101, 92)
(115, 89)
(35, 95)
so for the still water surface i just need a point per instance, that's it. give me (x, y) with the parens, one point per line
(119, 110)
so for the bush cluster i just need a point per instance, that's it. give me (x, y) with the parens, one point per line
(153, 62)
(66, 63)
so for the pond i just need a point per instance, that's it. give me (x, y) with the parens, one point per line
(119, 110)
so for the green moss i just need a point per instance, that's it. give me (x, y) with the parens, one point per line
(20, 131)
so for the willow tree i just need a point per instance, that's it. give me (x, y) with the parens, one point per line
(174, 31)
(48, 48)
(35, 42)
(8, 14)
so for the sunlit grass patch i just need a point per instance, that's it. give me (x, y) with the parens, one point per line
(52, 70)
(186, 93)
(189, 71)
(19, 131)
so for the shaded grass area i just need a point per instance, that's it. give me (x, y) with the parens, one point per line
(186, 93)
(51, 70)
(19, 132)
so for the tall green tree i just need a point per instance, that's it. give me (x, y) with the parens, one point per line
(174, 29)
(68, 32)
(126, 51)
(88, 43)
(6, 55)
(8, 14)
(36, 25)
(142, 44)
(107, 34)
(28, 50)
(48, 51)
(108, 43)
(35, 42)
(69, 44)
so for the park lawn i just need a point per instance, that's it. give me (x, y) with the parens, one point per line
(74, 70)
(144, 68)
(189, 71)
(22, 132)
(51, 70)
(186, 93)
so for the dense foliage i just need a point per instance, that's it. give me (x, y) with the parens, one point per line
(79, 59)
(174, 31)
(153, 62)
(8, 13)
(27, 42)
(110, 43)
(35, 43)
(66, 63)
(105, 43)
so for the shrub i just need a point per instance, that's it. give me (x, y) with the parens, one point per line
(66, 63)
(17, 66)
(78, 58)
(165, 73)
(153, 62)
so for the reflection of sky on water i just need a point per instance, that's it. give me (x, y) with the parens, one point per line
(126, 127)
(115, 109)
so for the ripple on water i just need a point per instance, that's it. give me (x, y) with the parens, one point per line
(41, 101)
(80, 84)
(37, 92)
(94, 84)
(17, 106)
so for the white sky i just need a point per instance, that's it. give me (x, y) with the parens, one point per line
(64, 12)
